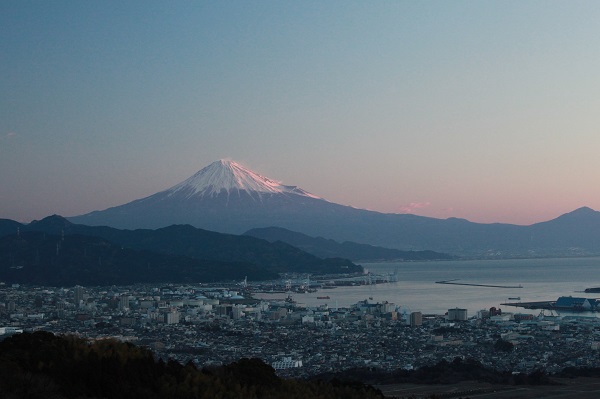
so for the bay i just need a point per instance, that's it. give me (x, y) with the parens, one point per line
(416, 290)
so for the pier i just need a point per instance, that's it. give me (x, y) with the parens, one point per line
(548, 305)
(454, 282)
(566, 304)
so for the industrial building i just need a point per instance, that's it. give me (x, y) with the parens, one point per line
(457, 314)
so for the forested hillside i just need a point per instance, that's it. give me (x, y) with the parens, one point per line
(42, 365)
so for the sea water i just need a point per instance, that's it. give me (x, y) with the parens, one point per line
(417, 290)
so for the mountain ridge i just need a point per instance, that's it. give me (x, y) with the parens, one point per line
(199, 244)
(36, 257)
(323, 247)
(233, 207)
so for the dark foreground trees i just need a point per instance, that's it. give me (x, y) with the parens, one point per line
(42, 365)
(443, 372)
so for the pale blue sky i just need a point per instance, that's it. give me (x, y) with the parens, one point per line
(486, 110)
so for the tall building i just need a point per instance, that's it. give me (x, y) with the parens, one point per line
(457, 314)
(416, 319)
(78, 293)
(124, 302)
(237, 312)
(172, 317)
(60, 309)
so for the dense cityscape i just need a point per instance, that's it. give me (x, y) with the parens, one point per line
(216, 325)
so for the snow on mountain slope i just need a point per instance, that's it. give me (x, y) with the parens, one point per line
(231, 177)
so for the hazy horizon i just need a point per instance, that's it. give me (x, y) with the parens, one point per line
(482, 111)
(228, 159)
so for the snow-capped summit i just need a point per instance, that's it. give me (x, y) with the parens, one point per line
(224, 196)
(225, 176)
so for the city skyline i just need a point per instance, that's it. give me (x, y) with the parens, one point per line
(482, 111)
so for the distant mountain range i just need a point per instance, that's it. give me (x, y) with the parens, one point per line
(228, 198)
(56, 251)
(327, 248)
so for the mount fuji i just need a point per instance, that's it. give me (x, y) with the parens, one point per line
(224, 196)
(227, 197)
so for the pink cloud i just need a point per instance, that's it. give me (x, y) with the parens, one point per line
(410, 208)
(8, 135)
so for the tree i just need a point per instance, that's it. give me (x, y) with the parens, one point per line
(502, 345)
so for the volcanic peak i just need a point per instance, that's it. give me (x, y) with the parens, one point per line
(230, 176)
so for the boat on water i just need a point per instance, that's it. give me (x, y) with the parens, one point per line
(323, 297)
(514, 298)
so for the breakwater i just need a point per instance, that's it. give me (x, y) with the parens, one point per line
(454, 282)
